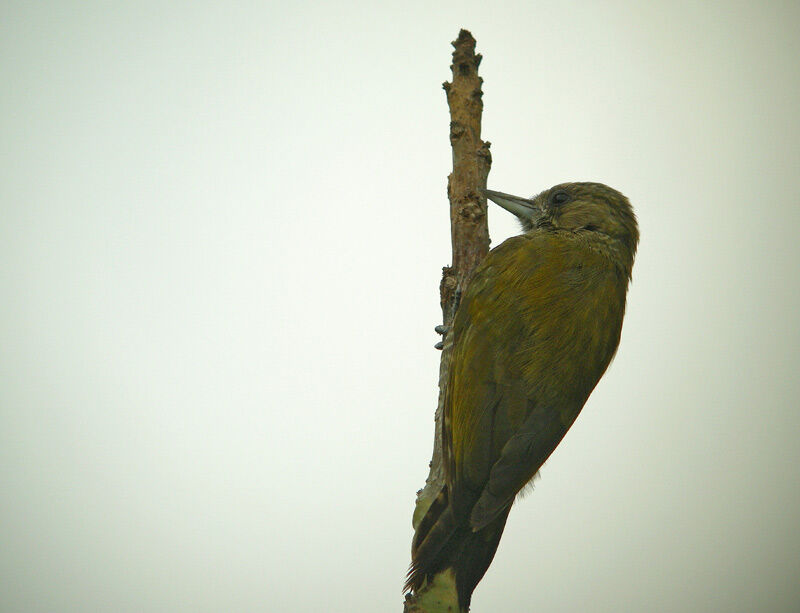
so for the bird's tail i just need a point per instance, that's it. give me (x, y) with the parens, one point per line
(443, 540)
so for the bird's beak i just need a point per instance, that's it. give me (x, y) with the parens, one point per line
(524, 208)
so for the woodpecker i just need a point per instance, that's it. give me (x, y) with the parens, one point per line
(535, 330)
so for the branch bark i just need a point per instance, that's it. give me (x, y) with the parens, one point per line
(469, 233)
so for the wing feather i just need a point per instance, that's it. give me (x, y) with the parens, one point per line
(510, 404)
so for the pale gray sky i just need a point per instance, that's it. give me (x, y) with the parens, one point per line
(222, 227)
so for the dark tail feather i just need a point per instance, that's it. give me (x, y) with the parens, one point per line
(429, 520)
(448, 543)
(433, 532)
(470, 554)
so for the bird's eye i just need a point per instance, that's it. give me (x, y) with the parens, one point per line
(559, 198)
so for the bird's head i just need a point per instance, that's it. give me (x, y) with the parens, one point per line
(581, 208)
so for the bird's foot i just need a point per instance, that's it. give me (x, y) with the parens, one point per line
(443, 330)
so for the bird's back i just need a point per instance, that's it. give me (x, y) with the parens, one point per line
(536, 329)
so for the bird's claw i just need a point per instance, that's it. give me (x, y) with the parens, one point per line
(443, 330)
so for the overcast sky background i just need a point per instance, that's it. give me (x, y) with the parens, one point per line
(222, 228)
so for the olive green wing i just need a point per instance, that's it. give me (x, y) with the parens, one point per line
(530, 345)
(521, 457)
(487, 396)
